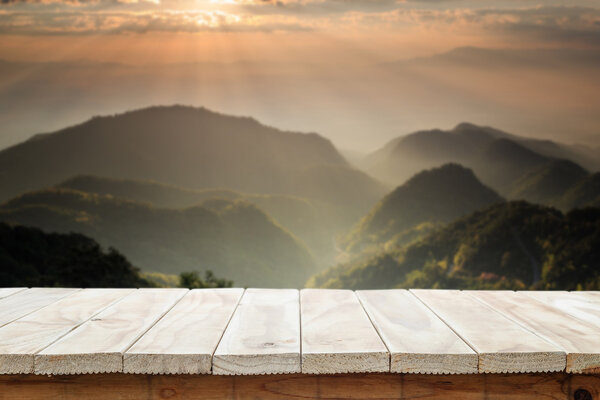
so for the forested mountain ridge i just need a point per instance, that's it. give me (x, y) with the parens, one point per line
(435, 196)
(513, 245)
(316, 222)
(233, 238)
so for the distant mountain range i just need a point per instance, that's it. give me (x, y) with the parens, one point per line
(189, 147)
(435, 196)
(514, 166)
(513, 245)
(180, 189)
(231, 237)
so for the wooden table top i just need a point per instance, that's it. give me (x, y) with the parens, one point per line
(312, 331)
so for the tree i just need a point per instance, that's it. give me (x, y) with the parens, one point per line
(192, 280)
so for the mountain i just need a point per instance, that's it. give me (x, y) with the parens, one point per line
(184, 146)
(549, 183)
(30, 257)
(233, 238)
(498, 158)
(583, 193)
(513, 245)
(439, 195)
(316, 222)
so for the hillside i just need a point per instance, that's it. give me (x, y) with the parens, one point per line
(316, 222)
(30, 257)
(184, 146)
(583, 193)
(512, 245)
(438, 195)
(548, 183)
(232, 238)
(498, 158)
(503, 162)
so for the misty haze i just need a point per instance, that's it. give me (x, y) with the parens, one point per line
(330, 144)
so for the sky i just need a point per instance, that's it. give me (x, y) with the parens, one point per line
(359, 72)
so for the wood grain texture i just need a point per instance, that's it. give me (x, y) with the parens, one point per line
(502, 345)
(184, 340)
(27, 301)
(544, 386)
(5, 292)
(263, 336)
(418, 341)
(582, 305)
(579, 339)
(22, 339)
(98, 345)
(337, 335)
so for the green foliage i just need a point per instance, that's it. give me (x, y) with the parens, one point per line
(234, 238)
(513, 245)
(434, 196)
(161, 280)
(192, 280)
(30, 257)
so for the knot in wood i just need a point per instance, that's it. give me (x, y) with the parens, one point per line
(582, 394)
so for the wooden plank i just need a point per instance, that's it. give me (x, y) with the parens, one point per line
(27, 301)
(418, 341)
(184, 340)
(502, 345)
(5, 292)
(98, 345)
(20, 340)
(337, 335)
(580, 340)
(582, 305)
(263, 336)
(547, 386)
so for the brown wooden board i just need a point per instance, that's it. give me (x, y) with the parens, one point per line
(545, 386)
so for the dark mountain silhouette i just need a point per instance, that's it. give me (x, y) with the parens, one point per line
(185, 146)
(31, 257)
(512, 245)
(233, 238)
(549, 183)
(438, 195)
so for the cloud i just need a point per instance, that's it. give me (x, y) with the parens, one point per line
(564, 25)
(83, 23)
(560, 24)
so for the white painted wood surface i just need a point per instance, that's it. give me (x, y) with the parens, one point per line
(418, 341)
(184, 340)
(22, 339)
(5, 292)
(337, 335)
(263, 336)
(98, 345)
(27, 301)
(582, 305)
(502, 345)
(580, 340)
(176, 331)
